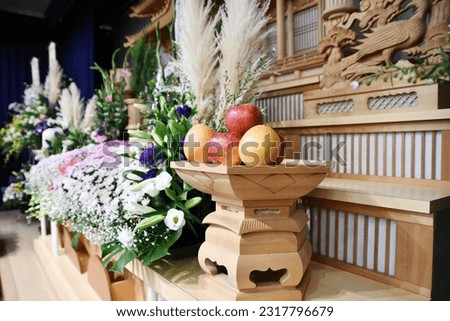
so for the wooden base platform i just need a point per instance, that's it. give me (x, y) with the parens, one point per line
(22, 277)
(68, 282)
(178, 280)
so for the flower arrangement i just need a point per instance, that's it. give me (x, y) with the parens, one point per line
(14, 193)
(111, 194)
(144, 65)
(125, 196)
(30, 119)
(75, 122)
(111, 109)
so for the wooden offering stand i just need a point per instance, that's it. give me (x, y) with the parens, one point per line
(256, 245)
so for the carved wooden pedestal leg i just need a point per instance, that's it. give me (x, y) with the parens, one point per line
(255, 250)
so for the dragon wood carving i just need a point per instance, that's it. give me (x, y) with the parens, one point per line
(359, 42)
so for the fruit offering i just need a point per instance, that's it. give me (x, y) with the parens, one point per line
(260, 145)
(247, 140)
(241, 118)
(195, 143)
(223, 148)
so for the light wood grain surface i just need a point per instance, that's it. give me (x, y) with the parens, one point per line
(22, 276)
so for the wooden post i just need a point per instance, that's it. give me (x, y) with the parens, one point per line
(445, 166)
(290, 27)
(281, 30)
(152, 295)
(43, 226)
(55, 238)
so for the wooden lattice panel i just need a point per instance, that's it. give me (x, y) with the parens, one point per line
(380, 97)
(393, 101)
(336, 107)
(287, 107)
(403, 154)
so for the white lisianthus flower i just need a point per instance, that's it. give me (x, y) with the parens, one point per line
(174, 219)
(163, 180)
(126, 237)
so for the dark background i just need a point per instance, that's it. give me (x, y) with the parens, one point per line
(85, 32)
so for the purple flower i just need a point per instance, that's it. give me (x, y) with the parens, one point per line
(148, 156)
(150, 174)
(40, 128)
(184, 111)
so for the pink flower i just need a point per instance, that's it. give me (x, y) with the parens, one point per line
(100, 139)
(126, 73)
(109, 98)
(65, 167)
(94, 134)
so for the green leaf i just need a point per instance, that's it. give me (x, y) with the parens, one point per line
(162, 100)
(135, 172)
(75, 240)
(160, 129)
(150, 221)
(170, 194)
(175, 128)
(158, 140)
(124, 259)
(109, 253)
(110, 247)
(140, 134)
(155, 253)
(193, 202)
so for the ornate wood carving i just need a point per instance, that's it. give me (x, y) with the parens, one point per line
(158, 11)
(358, 42)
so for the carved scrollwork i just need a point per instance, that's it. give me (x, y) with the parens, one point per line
(359, 42)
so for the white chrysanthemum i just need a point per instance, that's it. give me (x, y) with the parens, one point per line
(126, 237)
(163, 181)
(174, 219)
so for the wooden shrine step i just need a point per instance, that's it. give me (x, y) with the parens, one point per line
(424, 199)
(177, 280)
(68, 282)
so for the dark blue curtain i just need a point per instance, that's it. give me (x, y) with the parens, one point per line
(15, 73)
(75, 51)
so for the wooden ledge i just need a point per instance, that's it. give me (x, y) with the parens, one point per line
(381, 119)
(406, 197)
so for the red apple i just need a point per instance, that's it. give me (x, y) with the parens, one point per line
(223, 148)
(241, 118)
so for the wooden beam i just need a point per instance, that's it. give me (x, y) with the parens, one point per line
(281, 30)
